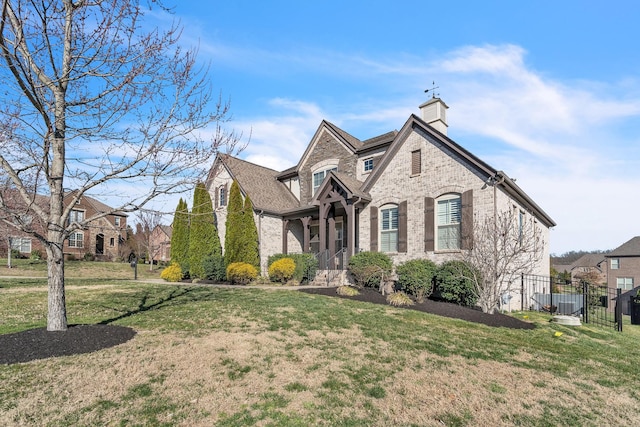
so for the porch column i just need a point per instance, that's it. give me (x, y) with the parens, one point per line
(332, 235)
(324, 212)
(285, 230)
(351, 229)
(306, 235)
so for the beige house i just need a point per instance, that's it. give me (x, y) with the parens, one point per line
(412, 193)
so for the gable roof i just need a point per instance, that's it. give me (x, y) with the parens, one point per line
(261, 183)
(588, 260)
(349, 141)
(351, 185)
(414, 123)
(630, 248)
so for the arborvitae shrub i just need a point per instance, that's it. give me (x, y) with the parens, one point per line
(416, 277)
(282, 270)
(241, 273)
(452, 283)
(214, 268)
(368, 268)
(173, 273)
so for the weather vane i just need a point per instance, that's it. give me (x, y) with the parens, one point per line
(433, 89)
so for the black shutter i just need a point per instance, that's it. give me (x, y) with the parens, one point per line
(402, 227)
(429, 224)
(374, 229)
(467, 220)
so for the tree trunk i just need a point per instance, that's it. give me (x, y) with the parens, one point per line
(57, 309)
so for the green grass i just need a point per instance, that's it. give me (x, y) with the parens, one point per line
(360, 356)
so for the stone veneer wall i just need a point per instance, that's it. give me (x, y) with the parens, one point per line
(327, 147)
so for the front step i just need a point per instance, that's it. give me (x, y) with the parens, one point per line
(330, 278)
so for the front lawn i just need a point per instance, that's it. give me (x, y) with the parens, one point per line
(220, 356)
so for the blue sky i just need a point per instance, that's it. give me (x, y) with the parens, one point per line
(548, 91)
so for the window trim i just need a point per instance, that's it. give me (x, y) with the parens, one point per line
(368, 162)
(76, 240)
(617, 263)
(18, 243)
(390, 231)
(450, 225)
(627, 283)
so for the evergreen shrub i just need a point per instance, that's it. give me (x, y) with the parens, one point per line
(282, 270)
(368, 268)
(306, 265)
(214, 269)
(241, 273)
(453, 283)
(416, 278)
(173, 273)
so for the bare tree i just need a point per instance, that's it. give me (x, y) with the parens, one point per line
(504, 247)
(96, 101)
(147, 223)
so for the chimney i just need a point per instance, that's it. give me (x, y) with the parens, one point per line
(434, 112)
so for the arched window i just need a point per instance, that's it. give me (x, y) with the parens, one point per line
(448, 221)
(389, 228)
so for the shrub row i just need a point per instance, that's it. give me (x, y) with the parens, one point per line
(421, 278)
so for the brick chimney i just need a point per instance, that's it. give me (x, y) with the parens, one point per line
(434, 112)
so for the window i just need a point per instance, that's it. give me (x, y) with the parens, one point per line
(520, 226)
(624, 283)
(76, 240)
(449, 212)
(21, 244)
(222, 196)
(368, 165)
(112, 242)
(76, 216)
(314, 244)
(615, 263)
(318, 177)
(117, 221)
(416, 162)
(389, 229)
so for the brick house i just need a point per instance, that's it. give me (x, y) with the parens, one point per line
(102, 237)
(161, 243)
(412, 193)
(623, 266)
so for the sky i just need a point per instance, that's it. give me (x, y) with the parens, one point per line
(547, 91)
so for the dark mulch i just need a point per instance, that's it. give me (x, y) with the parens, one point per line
(39, 343)
(434, 307)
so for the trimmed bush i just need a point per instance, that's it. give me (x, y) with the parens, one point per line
(399, 299)
(453, 283)
(241, 273)
(416, 278)
(306, 265)
(173, 273)
(282, 270)
(368, 268)
(213, 266)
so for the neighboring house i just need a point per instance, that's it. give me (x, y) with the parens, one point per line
(590, 267)
(161, 243)
(412, 193)
(623, 266)
(102, 237)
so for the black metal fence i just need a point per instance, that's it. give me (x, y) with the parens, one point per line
(594, 304)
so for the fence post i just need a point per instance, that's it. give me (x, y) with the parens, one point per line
(521, 291)
(551, 295)
(585, 301)
(619, 309)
